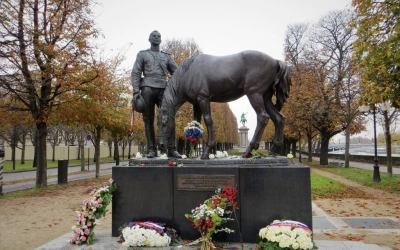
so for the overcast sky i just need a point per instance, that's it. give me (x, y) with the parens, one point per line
(219, 27)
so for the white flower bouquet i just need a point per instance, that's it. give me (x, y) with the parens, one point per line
(219, 154)
(285, 234)
(148, 234)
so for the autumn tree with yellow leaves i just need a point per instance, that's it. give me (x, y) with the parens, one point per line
(45, 52)
(325, 94)
(103, 106)
(377, 50)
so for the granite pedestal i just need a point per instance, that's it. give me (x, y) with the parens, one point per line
(268, 189)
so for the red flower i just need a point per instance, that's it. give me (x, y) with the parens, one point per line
(143, 164)
(229, 193)
(216, 201)
(249, 155)
(170, 163)
(210, 223)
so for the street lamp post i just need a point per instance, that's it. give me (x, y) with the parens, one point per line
(365, 110)
(1, 169)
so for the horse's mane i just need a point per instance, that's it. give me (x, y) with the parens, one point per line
(177, 78)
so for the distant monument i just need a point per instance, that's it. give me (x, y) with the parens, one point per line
(243, 119)
(243, 134)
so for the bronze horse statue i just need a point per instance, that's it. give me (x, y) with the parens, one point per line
(202, 79)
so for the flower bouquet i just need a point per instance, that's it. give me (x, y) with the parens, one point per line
(149, 234)
(93, 209)
(208, 217)
(193, 132)
(285, 234)
(219, 154)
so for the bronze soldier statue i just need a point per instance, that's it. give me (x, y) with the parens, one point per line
(149, 79)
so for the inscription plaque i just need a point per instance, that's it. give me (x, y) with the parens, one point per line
(194, 182)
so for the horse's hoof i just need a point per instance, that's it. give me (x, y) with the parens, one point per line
(174, 154)
(151, 154)
(204, 157)
(247, 155)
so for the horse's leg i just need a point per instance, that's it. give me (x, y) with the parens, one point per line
(279, 122)
(197, 112)
(257, 102)
(206, 110)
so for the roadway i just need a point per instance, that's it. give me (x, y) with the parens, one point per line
(105, 169)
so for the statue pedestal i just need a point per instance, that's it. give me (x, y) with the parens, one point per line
(244, 138)
(268, 189)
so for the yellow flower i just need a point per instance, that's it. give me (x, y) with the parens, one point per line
(290, 156)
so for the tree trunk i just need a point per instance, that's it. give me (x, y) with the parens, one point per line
(34, 164)
(294, 149)
(318, 147)
(310, 147)
(116, 152)
(286, 148)
(347, 148)
(13, 155)
(123, 145)
(388, 146)
(23, 151)
(13, 145)
(109, 143)
(129, 149)
(53, 150)
(40, 151)
(323, 160)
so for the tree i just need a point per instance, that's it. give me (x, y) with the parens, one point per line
(377, 50)
(326, 96)
(14, 126)
(389, 120)
(46, 53)
(103, 106)
(54, 136)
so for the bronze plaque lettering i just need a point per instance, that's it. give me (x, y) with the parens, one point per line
(194, 182)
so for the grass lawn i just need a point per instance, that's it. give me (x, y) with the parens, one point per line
(363, 176)
(323, 187)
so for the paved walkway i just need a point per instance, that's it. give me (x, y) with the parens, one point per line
(322, 222)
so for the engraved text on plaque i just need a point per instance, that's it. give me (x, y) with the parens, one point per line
(193, 182)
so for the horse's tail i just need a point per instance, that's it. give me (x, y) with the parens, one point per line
(282, 84)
